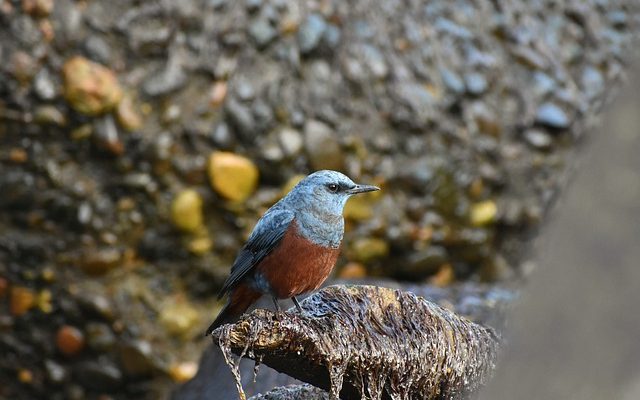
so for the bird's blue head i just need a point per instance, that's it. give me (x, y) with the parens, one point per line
(318, 201)
(325, 192)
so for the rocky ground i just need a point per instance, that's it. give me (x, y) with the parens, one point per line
(141, 141)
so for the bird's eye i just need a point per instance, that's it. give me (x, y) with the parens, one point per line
(332, 187)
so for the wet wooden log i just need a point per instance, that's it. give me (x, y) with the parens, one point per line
(366, 340)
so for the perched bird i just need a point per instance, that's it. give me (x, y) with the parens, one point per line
(293, 247)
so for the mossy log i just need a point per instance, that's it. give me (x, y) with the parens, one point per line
(367, 341)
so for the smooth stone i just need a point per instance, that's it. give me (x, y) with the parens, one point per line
(262, 32)
(311, 32)
(476, 83)
(44, 85)
(538, 139)
(552, 116)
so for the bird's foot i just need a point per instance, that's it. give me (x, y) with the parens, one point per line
(297, 304)
(279, 314)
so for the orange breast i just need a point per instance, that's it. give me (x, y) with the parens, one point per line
(297, 265)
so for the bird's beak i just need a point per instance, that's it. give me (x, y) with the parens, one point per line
(362, 189)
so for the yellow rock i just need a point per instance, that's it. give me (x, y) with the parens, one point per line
(444, 277)
(200, 245)
(128, 114)
(179, 317)
(232, 176)
(368, 249)
(360, 207)
(44, 301)
(352, 270)
(90, 88)
(483, 213)
(25, 376)
(182, 372)
(186, 210)
(218, 94)
(22, 300)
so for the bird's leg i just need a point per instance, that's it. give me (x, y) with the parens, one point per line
(297, 304)
(278, 310)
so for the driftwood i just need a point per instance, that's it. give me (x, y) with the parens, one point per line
(359, 341)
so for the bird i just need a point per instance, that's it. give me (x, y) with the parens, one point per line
(293, 247)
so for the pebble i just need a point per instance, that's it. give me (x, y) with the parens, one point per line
(529, 57)
(56, 373)
(543, 84)
(22, 300)
(233, 176)
(101, 261)
(218, 93)
(263, 115)
(49, 115)
(444, 277)
(183, 371)
(136, 358)
(375, 61)
(262, 32)
(423, 263)
(128, 115)
(100, 375)
(416, 105)
(241, 118)
(538, 139)
(100, 337)
(591, 80)
(310, 33)
(476, 83)
(322, 147)
(179, 318)
(291, 141)
(22, 66)
(221, 136)
(37, 8)
(107, 136)
(272, 152)
(70, 340)
(90, 88)
(201, 244)
(452, 81)
(366, 250)
(25, 376)
(244, 90)
(331, 37)
(98, 49)
(70, 23)
(44, 85)
(18, 156)
(353, 270)
(186, 211)
(552, 116)
(486, 120)
(483, 213)
(166, 80)
(360, 208)
(447, 26)
(253, 5)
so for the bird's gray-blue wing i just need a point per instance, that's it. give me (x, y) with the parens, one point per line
(265, 237)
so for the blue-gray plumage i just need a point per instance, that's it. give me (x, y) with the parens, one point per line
(293, 247)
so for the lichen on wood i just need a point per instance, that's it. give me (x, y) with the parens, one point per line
(368, 342)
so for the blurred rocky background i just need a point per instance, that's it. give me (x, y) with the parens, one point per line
(141, 140)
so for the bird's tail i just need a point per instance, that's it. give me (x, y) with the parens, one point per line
(241, 298)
